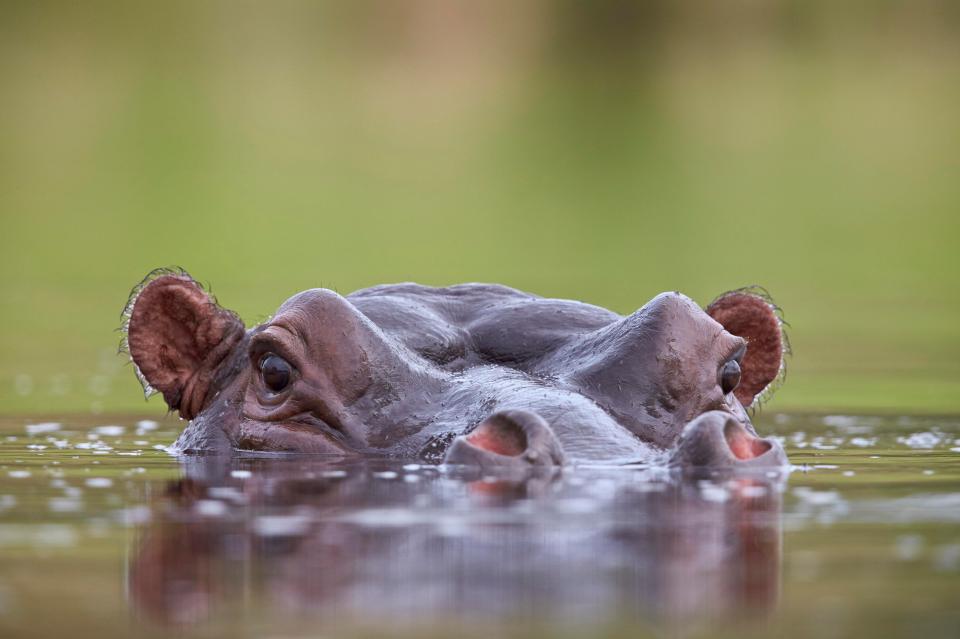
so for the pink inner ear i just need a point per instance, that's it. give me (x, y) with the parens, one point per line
(175, 327)
(754, 319)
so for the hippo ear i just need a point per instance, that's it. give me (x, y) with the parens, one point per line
(176, 335)
(751, 314)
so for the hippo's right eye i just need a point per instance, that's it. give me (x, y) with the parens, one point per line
(275, 372)
(729, 376)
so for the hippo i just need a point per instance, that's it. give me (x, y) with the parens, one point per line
(475, 374)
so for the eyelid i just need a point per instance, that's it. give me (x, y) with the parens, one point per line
(269, 342)
(737, 354)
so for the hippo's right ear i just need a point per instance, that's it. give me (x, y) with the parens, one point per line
(177, 336)
(751, 314)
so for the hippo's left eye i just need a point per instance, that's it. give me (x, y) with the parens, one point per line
(729, 376)
(275, 372)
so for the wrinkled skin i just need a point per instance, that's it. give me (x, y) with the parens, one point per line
(475, 374)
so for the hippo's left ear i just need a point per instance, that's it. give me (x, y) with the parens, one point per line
(177, 336)
(751, 314)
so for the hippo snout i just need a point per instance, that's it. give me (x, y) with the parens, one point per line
(717, 439)
(511, 438)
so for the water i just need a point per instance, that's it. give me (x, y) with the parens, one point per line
(104, 534)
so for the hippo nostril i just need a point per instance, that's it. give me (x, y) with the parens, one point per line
(742, 444)
(499, 435)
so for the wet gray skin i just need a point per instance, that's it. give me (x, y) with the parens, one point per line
(472, 374)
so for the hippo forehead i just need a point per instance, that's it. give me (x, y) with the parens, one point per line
(505, 325)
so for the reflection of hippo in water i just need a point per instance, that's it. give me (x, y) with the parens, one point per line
(334, 548)
(475, 373)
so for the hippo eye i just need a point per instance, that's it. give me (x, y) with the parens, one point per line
(729, 376)
(275, 372)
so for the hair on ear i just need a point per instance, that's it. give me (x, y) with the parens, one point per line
(176, 335)
(128, 311)
(751, 313)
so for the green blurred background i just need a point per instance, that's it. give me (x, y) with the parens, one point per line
(603, 151)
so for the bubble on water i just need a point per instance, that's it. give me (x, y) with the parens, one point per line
(848, 473)
(22, 384)
(928, 472)
(7, 502)
(851, 424)
(753, 491)
(908, 547)
(840, 421)
(147, 424)
(819, 445)
(333, 473)
(64, 505)
(386, 474)
(42, 535)
(210, 508)
(921, 440)
(711, 492)
(826, 466)
(955, 449)
(411, 467)
(411, 479)
(227, 493)
(241, 474)
(577, 506)
(94, 445)
(947, 558)
(42, 427)
(19, 474)
(863, 442)
(133, 516)
(72, 491)
(817, 497)
(110, 430)
(98, 482)
(141, 442)
(36, 446)
(281, 525)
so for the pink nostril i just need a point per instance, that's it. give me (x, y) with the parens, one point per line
(742, 444)
(499, 435)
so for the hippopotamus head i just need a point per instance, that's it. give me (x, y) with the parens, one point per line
(474, 374)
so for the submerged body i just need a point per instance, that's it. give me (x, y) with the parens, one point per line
(475, 373)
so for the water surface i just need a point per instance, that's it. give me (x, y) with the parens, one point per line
(103, 533)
